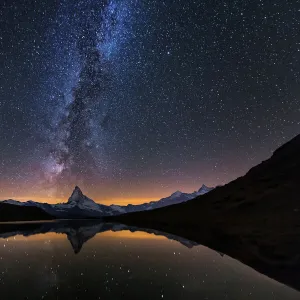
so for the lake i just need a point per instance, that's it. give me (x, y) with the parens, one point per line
(109, 261)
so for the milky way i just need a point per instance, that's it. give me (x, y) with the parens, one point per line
(78, 134)
(136, 99)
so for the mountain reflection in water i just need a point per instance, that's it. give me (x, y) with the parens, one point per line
(78, 231)
(114, 261)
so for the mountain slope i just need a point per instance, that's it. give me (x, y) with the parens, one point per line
(255, 218)
(10, 212)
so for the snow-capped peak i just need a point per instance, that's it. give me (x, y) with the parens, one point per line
(176, 194)
(204, 189)
(83, 202)
(77, 196)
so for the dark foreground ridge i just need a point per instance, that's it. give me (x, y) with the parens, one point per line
(255, 218)
(11, 212)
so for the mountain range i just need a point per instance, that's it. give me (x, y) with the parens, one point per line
(80, 206)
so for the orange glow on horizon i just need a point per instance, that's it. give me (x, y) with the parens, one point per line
(116, 201)
(126, 201)
(108, 192)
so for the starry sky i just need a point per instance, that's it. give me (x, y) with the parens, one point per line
(135, 99)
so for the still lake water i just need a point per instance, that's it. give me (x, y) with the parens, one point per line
(122, 264)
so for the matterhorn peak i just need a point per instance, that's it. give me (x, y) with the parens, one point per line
(81, 201)
(76, 196)
(77, 189)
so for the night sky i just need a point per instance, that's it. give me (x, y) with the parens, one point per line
(133, 100)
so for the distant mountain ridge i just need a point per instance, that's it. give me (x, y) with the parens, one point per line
(80, 206)
(175, 198)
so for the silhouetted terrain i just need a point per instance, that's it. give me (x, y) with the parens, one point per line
(255, 218)
(10, 212)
